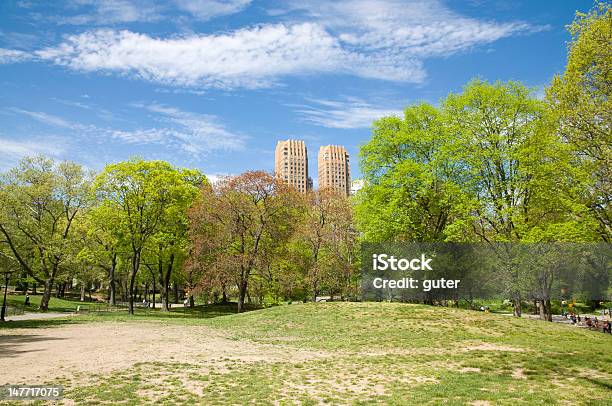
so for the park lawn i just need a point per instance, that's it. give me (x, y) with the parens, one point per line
(368, 353)
(60, 305)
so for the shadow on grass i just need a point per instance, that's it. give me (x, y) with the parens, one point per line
(37, 323)
(121, 315)
(599, 382)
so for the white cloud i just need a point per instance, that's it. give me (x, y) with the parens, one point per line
(343, 114)
(215, 177)
(251, 58)
(207, 9)
(109, 12)
(46, 118)
(381, 39)
(13, 56)
(196, 134)
(193, 133)
(112, 12)
(421, 28)
(11, 151)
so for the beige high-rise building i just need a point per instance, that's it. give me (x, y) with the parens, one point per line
(291, 164)
(334, 168)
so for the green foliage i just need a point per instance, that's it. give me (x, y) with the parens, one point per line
(414, 183)
(42, 201)
(487, 165)
(580, 103)
(144, 204)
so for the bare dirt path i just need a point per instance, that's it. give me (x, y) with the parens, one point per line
(42, 355)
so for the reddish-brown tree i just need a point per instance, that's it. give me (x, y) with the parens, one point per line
(237, 224)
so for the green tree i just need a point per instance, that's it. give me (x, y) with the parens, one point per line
(580, 101)
(144, 195)
(41, 200)
(521, 172)
(416, 186)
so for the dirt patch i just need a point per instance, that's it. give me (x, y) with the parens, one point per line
(46, 354)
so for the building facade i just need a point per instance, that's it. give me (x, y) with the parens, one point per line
(291, 164)
(334, 168)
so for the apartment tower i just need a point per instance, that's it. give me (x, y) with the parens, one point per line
(334, 171)
(291, 164)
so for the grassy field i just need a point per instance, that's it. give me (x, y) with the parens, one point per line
(345, 353)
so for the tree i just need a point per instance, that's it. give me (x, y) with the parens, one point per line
(102, 243)
(415, 183)
(40, 204)
(580, 101)
(248, 216)
(143, 194)
(329, 234)
(517, 166)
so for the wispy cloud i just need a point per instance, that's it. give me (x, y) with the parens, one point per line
(207, 9)
(11, 151)
(46, 118)
(108, 12)
(352, 113)
(13, 56)
(252, 58)
(421, 28)
(193, 133)
(380, 39)
(113, 12)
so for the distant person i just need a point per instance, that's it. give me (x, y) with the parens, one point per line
(186, 302)
(145, 303)
(607, 328)
(27, 300)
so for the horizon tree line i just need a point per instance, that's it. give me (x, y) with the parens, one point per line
(490, 164)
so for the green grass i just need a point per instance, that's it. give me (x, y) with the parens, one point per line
(370, 353)
(61, 305)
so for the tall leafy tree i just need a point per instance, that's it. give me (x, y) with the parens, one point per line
(144, 195)
(415, 182)
(580, 100)
(41, 202)
(250, 215)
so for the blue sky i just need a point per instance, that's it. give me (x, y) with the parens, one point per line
(214, 84)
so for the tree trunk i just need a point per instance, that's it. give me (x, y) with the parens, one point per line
(517, 306)
(224, 296)
(111, 281)
(545, 310)
(34, 289)
(191, 302)
(82, 292)
(242, 290)
(44, 302)
(176, 293)
(153, 301)
(166, 284)
(135, 265)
